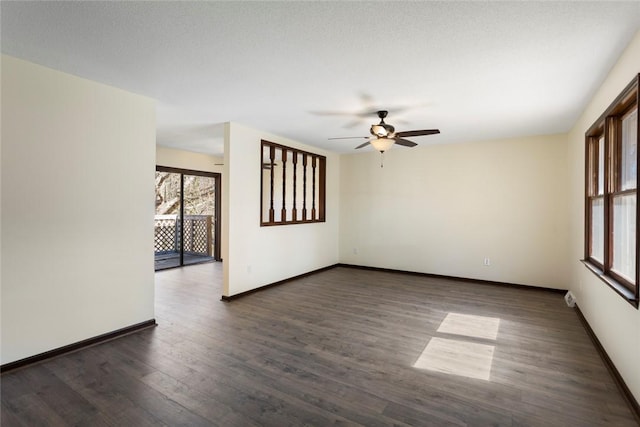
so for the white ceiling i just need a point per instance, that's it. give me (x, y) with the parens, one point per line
(475, 70)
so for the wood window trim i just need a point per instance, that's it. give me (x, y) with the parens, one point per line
(305, 209)
(609, 125)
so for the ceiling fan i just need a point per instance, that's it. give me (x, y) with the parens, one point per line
(384, 135)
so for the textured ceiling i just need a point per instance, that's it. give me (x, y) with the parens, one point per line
(475, 70)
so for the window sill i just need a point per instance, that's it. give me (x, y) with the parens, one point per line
(618, 287)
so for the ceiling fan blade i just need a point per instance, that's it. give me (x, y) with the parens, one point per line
(351, 137)
(405, 142)
(363, 145)
(417, 132)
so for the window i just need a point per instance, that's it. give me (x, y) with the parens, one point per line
(292, 186)
(611, 200)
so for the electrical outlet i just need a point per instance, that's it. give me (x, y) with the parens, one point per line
(487, 262)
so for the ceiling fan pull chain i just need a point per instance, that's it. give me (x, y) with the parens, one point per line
(381, 159)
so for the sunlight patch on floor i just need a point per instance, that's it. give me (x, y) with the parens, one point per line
(470, 326)
(467, 359)
(459, 357)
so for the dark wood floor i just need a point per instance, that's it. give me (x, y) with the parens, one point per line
(334, 348)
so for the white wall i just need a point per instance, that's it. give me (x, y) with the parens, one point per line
(442, 209)
(255, 256)
(615, 322)
(181, 159)
(77, 209)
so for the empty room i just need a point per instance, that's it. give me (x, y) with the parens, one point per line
(380, 213)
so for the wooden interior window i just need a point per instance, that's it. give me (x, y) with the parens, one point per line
(611, 195)
(292, 185)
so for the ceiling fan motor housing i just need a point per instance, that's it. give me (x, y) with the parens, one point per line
(382, 130)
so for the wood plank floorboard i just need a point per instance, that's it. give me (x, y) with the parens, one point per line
(334, 348)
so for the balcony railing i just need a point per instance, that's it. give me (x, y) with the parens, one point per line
(198, 234)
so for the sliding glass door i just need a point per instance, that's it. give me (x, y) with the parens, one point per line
(187, 217)
(199, 216)
(167, 221)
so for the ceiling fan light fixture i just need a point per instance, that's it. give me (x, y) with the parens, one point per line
(382, 144)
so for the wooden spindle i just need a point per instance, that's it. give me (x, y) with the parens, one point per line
(313, 188)
(304, 186)
(294, 211)
(284, 186)
(272, 155)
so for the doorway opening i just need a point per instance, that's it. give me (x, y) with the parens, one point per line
(187, 217)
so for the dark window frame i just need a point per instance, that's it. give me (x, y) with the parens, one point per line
(310, 162)
(609, 126)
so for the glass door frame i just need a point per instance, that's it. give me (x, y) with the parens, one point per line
(217, 208)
